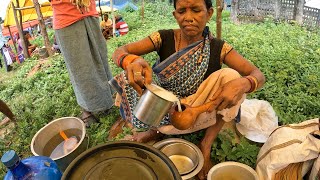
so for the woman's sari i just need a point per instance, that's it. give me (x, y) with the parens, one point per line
(181, 73)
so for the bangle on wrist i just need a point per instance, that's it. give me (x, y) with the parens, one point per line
(253, 82)
(120, 58)
(128, 60)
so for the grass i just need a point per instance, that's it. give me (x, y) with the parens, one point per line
(288, 55)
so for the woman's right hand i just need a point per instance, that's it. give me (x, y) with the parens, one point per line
(139, 73)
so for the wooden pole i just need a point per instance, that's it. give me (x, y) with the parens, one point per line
(234, 11)
(43, 27)
(219, 18)
(31, 7)
(142, 10)
(23, 38)
(277, 9)
(113, 19)
(24, 46)
(13, 40)
(299, 11)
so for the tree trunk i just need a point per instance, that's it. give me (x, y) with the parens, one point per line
(234, 11)
(299, 11)
(43, 28)
(219, 17)
(24, 45)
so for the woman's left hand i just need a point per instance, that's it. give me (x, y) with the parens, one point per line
(229, 94)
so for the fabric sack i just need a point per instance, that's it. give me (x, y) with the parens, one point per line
(288, 145)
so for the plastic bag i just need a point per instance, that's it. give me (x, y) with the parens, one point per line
(258, 120)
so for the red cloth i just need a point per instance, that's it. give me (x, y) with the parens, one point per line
(65, 13)
(122, 27)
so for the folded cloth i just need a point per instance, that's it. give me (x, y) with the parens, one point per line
(203, 94)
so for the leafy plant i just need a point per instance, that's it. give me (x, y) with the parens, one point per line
(225, 148)
(288, 55)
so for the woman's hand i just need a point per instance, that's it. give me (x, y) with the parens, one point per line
(139, 73)
(229, 94)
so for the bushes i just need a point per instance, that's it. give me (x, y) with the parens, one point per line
(288, 55)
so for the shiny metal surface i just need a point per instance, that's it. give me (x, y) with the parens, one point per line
(232, 171)
(48, 138)
(151, 108)
(184, 157)
(192, 174)
(122, 160)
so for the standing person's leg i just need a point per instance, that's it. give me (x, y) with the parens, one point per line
(84, 50)
(6, 110)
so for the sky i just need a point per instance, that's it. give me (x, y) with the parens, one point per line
(4, 5)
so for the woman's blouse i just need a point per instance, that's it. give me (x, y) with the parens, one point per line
(164, 43)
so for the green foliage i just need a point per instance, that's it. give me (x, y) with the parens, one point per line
(225, 148)
(288, 55)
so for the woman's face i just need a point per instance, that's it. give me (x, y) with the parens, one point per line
(192, 16)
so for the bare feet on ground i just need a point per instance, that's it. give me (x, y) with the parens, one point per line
(144, 137)
(4, 121)
(207, 165)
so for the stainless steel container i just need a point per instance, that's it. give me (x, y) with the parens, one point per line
(154, 104)
(232, 170)
(189, 176)
(48, 138)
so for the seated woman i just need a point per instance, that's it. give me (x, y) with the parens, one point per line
(31, 47)
(190, 67)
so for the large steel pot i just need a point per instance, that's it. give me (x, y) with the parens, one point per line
(154, 104)
(122, 160)
(48, 138)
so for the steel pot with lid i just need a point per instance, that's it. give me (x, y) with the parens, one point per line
(122, 160)
(154, 104)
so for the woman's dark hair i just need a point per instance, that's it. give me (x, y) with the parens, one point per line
(208, 3)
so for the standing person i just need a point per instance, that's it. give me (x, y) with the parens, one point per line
(77, 30)
(190, 65)
(8, 56)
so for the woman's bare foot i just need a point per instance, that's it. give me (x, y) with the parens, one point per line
(144, 137)
(207, 165)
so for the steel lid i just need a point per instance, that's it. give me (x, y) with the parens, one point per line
(123, 160)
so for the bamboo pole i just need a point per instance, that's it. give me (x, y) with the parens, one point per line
(113, 19)
(142, 10)
(13, 40)
(43, 27)
(219, 18)
(24, 40)
(24, 46)
(31, 7)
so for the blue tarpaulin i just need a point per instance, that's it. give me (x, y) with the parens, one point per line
(119, 4)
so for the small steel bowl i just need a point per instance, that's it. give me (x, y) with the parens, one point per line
(232, 170)
(184, 156)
